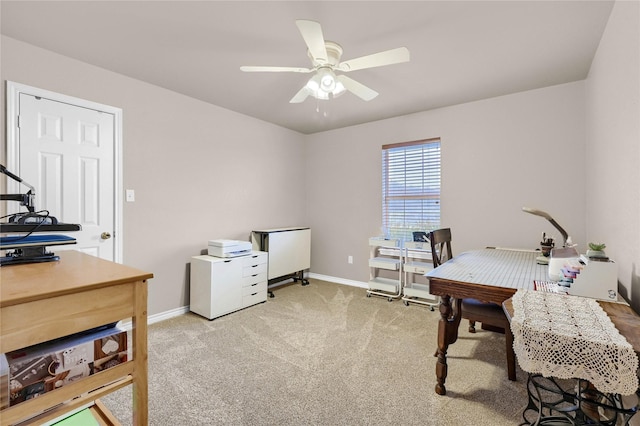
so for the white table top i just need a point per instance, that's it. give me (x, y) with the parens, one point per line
(510, 268)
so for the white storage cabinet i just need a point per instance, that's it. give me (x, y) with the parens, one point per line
(220, 286)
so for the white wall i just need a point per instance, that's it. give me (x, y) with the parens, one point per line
(200, 172)
(498, 155)
(613, 145)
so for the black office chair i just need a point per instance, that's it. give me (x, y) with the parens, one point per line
(490, 315)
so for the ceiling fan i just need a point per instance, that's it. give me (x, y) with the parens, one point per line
(325, 58)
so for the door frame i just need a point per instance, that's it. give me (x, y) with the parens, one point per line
(13, 91)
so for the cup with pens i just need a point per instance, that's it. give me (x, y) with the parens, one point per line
(546, 245)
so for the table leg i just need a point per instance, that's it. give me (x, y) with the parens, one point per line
(140, 356)
(447, 335)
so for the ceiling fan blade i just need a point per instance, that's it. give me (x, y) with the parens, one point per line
(300, 96)
(357, 89)
(312, 34)
(250, 68)
(388, 57)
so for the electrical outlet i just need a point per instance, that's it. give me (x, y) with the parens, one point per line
(350, 259)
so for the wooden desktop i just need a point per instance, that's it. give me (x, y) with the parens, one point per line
(44, 301)
(494, 275)
(490, 275)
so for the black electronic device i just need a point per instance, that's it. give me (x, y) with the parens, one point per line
(29, 248)
(27, 199)
(420, 236)
(33, 219)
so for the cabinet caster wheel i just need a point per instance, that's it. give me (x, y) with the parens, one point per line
(406, 303)
(368, 294)
(432, 309)
(390, 299)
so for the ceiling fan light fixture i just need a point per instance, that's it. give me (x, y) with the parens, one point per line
(321, 94)
(313, 84)
(325, 85)
(339, 90)
(325, 58)
(327, 79)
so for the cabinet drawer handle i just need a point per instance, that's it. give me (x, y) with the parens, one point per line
(255, 266)
(255, 275)
(227, 261)
(253, 285)
(254, 294)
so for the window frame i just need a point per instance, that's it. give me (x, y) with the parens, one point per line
(409, 186)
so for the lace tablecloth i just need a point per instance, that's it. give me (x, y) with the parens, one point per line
(572, 337)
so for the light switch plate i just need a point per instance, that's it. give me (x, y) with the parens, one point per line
(131, 195)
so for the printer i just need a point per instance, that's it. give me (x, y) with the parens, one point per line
(229, 248)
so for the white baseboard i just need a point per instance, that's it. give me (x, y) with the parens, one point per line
(126, 325)
(337, 280)
(162, 316)
(168, 314)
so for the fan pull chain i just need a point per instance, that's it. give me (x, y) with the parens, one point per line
(320, 110)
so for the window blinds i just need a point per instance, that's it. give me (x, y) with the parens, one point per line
(410, 188)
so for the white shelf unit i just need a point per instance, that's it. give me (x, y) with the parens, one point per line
(385, 255)
(417, 260)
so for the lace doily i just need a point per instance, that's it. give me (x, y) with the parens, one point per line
(572, 337)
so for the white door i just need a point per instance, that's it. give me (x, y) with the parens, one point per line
(67, 153)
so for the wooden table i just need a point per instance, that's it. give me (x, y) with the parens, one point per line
(44, 301)
(490, 275)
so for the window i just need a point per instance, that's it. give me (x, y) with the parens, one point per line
(410, 188)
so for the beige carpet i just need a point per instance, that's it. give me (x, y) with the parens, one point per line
(323, 354)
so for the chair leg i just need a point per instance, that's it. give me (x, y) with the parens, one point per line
(511, 355)
(472, 326)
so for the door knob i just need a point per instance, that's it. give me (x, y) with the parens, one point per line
(105, 235)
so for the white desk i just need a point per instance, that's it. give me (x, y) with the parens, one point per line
(289, 251)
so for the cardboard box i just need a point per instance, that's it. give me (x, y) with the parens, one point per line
(41, 368)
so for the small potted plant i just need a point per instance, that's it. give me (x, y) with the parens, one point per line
(596, 251)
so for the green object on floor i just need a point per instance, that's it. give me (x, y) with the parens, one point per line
(81, 418)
